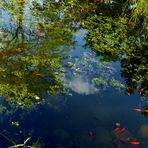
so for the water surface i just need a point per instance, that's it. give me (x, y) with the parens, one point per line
(58, 88)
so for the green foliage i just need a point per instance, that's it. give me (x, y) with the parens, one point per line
(35, 42)
(135, 70)
(113, 34)
(27, 78)
(35, 38)
(32, 58)
(122, 36)
(99, 75)
(107, 35)
(140, 9)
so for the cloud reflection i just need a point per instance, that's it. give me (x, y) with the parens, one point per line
(81, 86)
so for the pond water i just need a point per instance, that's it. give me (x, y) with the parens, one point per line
(61, 92)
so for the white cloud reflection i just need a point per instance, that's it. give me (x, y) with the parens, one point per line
(81, 86)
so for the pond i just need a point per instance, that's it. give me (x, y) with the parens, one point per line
(74, 74)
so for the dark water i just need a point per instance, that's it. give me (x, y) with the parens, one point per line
(67, 123)
(88, 117)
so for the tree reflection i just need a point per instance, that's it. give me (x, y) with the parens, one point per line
(89, 75)
(135, 71)
(32, 59)
(120, 33)
(36, 35)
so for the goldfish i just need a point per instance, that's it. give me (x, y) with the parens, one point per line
(90, 133)
(141, 90)
(116, 129)
(122, 130)
(37, 74)
(137, 109)
(145, 111)
(128, 94)
(134, 142)
(124, 136)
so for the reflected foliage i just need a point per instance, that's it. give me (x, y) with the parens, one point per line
(36, 35)
(135, 70)
(35, 39)
(90, 75)
(120, 33)
(32, 59)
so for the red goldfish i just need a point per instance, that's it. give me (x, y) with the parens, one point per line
(137, 109)
(134, 142)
